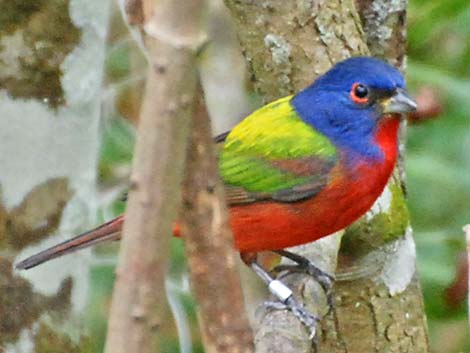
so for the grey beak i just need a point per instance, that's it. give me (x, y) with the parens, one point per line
(400, 102)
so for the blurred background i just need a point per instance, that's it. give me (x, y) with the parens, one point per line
(437, 159)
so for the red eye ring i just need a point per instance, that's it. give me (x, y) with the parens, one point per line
(359, 93)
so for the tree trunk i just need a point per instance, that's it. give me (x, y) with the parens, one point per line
(171, 35)
(378, 300)
(51, 64)
(209, 247)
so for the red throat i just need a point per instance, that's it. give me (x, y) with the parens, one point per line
(387, 136)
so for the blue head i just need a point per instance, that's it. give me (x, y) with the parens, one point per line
(348, 102)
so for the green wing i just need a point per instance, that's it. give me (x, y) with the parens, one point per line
(273, 154)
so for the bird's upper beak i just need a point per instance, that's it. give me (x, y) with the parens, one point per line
(400, 102)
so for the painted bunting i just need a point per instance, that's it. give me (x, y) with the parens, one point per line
(302, 167)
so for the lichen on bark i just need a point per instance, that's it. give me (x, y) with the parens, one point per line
(35, 38)
(21, 307)
(47, 341)
(48, 159)
(384, 25)
(36, 217)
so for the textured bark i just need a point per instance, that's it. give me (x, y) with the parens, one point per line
(367, 319)
(374, 247)
(384, 23)
(288, 43)
(51, 64)
(170, 30)
(379, 305)
(208, 242)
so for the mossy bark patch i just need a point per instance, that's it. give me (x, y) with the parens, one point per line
(36, 217)
(35, 38)
(20, 307)
(17, 12)
(48, 340)
(369, 234)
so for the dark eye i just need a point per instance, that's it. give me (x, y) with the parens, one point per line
(359, 93)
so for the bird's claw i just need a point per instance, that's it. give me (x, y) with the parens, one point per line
(306, 266)
(308, 319)
(286, 298)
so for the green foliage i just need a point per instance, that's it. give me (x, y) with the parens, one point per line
(438, 158)
(116, 149)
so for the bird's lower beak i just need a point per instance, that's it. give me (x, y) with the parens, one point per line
(400, 102)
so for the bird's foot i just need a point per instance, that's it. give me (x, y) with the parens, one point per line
(309, 320)
(285, 296)
(304, 265)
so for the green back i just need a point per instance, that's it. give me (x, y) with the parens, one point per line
(263, 153)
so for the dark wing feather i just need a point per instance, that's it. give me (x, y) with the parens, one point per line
(315, 169)
(221, 137)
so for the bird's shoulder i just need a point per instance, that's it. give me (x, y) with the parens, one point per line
(277, 131)
(274, 154)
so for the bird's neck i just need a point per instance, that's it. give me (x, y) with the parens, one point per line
(360, 134)
(386, 136)
(380, 148)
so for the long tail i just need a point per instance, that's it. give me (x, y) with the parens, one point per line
(107, 231)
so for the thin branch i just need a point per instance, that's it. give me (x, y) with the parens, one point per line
(208, 242)
(171, 36)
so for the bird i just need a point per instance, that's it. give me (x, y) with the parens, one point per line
(301, 167)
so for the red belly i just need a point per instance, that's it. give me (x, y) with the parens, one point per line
(271, 226)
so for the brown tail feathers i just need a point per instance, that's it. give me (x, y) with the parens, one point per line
(108, 231)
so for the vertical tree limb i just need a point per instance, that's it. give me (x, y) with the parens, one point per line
(171, 35)
(208, 242)
(283, 44)
(287, 45)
